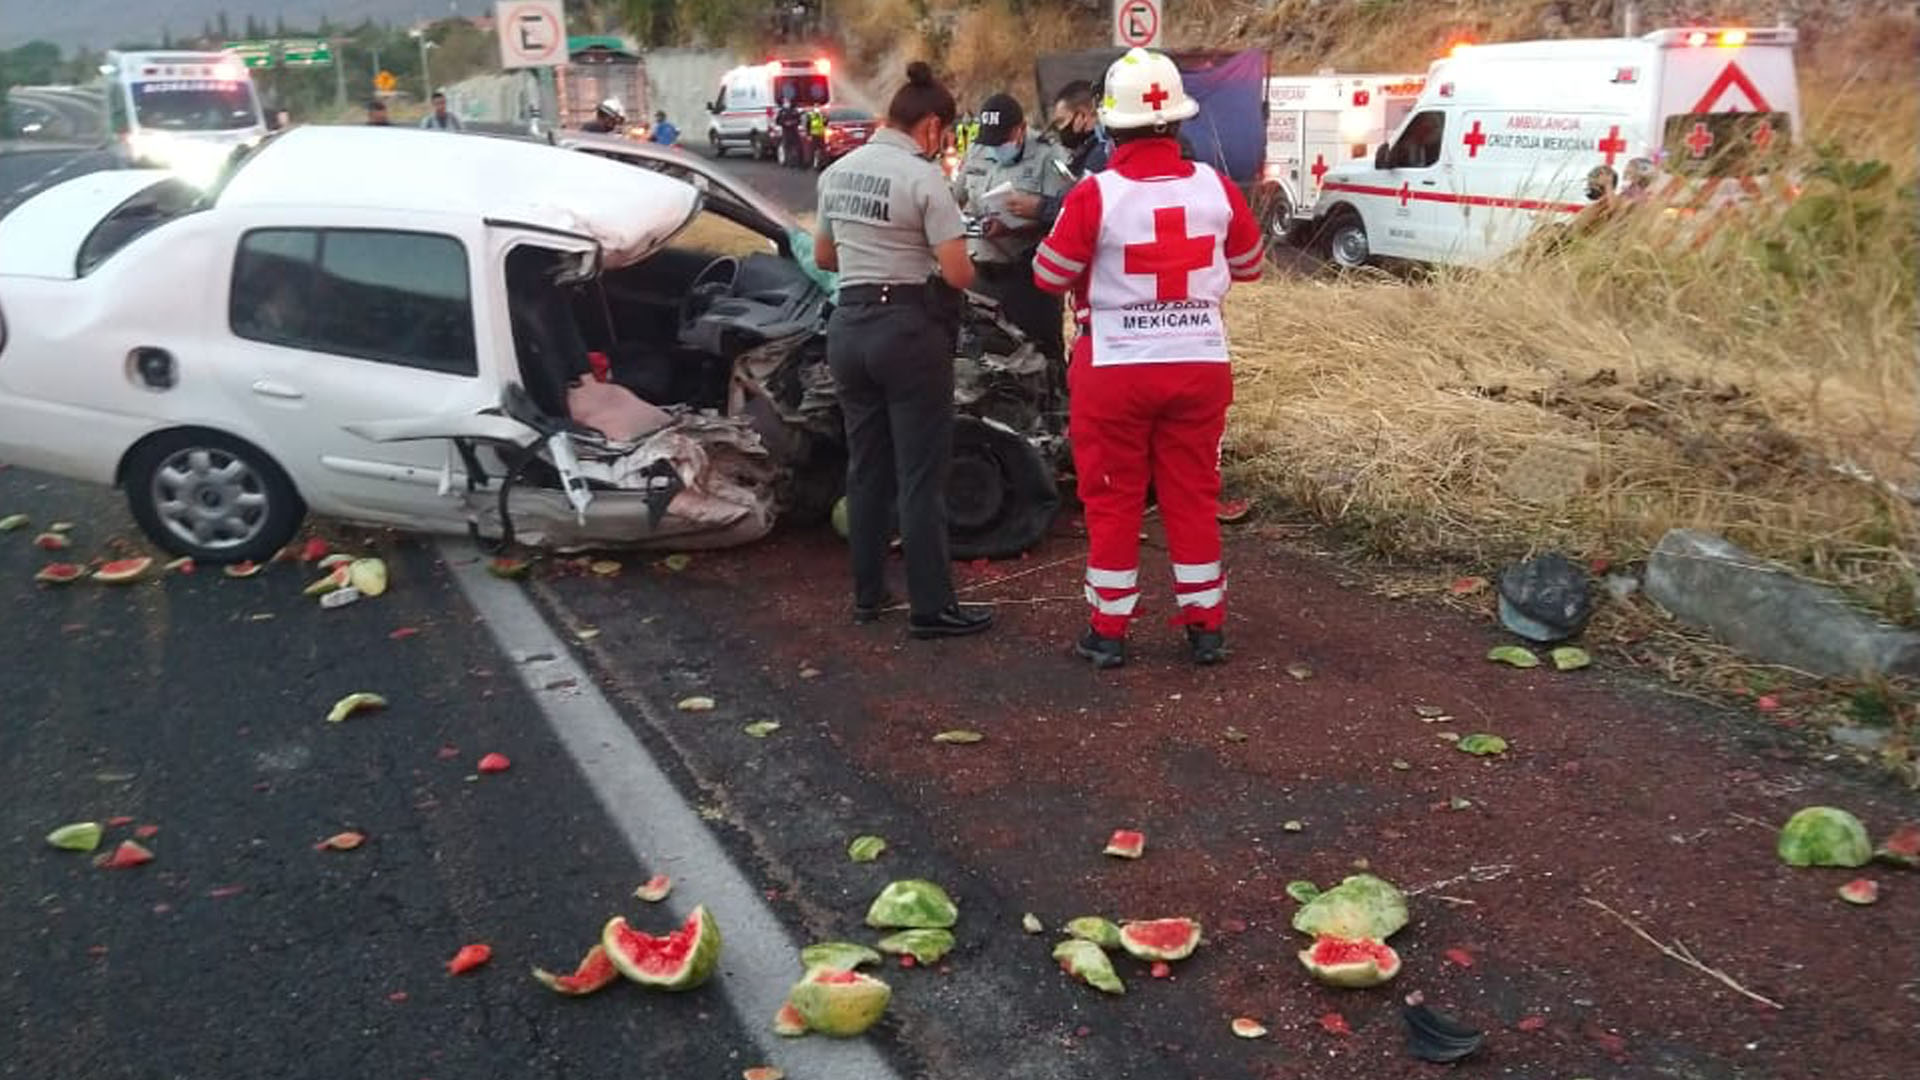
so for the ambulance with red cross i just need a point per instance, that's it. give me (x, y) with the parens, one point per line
(1315, 122)
(1503, 136)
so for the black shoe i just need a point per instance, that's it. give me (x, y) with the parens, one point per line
(954, 621)
(867, 613)
(1103, 652)
(1207, 646)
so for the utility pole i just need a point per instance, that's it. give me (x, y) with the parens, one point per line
(426, 76)
(338, 45)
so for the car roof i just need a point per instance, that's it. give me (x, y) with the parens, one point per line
(443, 174)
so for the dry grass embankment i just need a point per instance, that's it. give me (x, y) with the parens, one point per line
(1587, 400)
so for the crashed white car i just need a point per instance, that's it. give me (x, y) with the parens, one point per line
(527, 343)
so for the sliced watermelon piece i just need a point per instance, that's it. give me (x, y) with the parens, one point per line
(60, 573)
(1351, 962)
(788, 1021)
(681, 960)
(1902, 848)
(123, 571)
(1248, 1028)
(128, 854)
(840, 1003)
(52, 541)
(1160, 939)
(468, 958)
(181, 565)
(1087, 962)
(338, 578)
(242, 569)
(654, 889)
(1126, 844)
(1860, 891)
(594, 972)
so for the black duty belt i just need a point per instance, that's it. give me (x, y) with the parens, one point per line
(1003, 269)
(892, 293)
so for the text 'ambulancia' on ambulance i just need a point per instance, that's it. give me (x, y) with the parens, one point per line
(1503, 136)
(1315, 122)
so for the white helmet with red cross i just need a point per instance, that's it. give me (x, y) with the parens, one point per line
(1144, 90)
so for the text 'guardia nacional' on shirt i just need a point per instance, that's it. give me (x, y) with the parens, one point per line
(859, 195)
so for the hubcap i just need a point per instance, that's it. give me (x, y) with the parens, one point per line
(1350, 246)
(210, 498)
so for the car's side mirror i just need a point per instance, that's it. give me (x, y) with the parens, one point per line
(1380, 159)
(713, 107)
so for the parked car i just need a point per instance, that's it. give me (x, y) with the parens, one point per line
(422, 353)
(848, 129)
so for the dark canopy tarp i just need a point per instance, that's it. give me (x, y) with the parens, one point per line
(1229, 133)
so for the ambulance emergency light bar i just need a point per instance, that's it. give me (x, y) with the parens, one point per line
(1730, 37)
(822, 65)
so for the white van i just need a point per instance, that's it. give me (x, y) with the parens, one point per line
(185, 111)
(743, 110)
(1315, 122)
(1503, 136)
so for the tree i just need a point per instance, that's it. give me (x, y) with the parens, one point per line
(254, 30)
(225, 28)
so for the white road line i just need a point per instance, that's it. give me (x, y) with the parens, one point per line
(759, 962)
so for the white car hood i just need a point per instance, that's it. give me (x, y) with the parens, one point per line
(42, 236)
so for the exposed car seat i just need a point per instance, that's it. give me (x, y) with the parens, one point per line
(546, 339)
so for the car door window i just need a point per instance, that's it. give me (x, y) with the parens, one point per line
(1419, 145)
(392, 297)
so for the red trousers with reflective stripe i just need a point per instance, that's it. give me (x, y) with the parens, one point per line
(1135, 424)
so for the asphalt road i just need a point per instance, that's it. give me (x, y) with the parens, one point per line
(194, 704)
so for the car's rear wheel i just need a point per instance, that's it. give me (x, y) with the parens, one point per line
(1001, 494)
(210, 496)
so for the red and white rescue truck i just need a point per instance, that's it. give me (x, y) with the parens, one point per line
(1502, 138)
(1315, 122)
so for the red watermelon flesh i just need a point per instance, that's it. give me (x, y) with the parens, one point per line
(121, 571)
(1160, 939)
(60, 573)
(1351, 962)
(680, 960)
(595, 972)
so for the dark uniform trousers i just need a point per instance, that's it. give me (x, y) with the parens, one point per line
(892, 363)
(1035, 312)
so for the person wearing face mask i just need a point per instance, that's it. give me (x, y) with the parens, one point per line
(1076, 127)
(889, 225)
(1012, 182)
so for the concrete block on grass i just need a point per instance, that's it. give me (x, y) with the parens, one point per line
(1765, 612)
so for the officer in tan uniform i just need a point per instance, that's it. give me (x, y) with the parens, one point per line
(889, 225)
(1011, 184)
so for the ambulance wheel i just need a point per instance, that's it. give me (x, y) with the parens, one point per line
(719, 148)
(1001, 494)
(1346, 241)
(1278, 221)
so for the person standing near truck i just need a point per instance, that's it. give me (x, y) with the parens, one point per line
(1148, 249)
(1012, 184)
(889, 225)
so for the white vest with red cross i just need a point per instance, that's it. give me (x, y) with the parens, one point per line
(1160, 270)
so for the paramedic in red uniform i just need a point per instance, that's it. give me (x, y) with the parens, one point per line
(1147, 249)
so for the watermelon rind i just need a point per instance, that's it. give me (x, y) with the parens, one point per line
(60, 573)
(1824, 836)
(1382, 963)
(594, 972)
(912, 905)
(696, 966)
(1088, 962)
(925, 946)
(1102, 932)
(840, 1003)
(788, 1022)
(1360, 907)
(837, 956)
(1143, 939)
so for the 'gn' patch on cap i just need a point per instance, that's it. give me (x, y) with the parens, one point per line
(990, 117)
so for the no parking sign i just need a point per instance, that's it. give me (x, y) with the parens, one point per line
(1137, 23)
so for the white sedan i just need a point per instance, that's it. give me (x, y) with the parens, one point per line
(529, 343)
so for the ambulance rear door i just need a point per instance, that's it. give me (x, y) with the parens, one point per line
(1728, 110)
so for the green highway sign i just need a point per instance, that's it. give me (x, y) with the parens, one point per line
(292, 52)
(254, 54)
(305, 53)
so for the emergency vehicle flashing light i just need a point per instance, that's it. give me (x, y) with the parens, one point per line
(823, 65)
(1459, 47)
(1360, 98)
(1733, 39)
